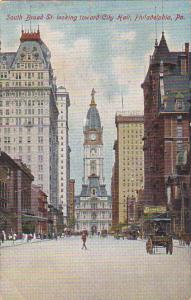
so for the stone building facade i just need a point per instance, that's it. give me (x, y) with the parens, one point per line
(28, 111)
(93, 209)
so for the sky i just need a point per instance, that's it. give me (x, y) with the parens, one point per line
(103, 45)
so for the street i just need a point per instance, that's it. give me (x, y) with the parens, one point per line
(109, 270)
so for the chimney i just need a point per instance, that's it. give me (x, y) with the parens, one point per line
(187, 56)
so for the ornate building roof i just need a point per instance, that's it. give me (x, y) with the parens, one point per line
(93, 182)
(93, 121)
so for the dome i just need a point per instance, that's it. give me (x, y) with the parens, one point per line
(93, 119)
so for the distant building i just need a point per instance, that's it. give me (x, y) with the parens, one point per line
(39, 209)
(28, 111)
(93, 207)
(115, 188)
(63, 103)
(71, 204)
(128, 171)
(15, 194)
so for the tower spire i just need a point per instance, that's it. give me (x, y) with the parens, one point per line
(156, 42)
(93, 99)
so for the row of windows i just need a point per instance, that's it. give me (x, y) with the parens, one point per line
(27, 129)
(22, 121)
(29, 65)
(19, 111)
(94, 205)
(20, 149)
(3, 75)
(94, 216)
(126, 126)
(21, 103)
(21, 83)
(23, 93)
(28, 75)
(7, 139)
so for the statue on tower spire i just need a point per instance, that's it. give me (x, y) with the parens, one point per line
(93, 99)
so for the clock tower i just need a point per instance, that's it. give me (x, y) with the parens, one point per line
(93, 143)
(93, 209)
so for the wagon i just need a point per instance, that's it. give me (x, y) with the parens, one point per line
(160, 237)
(155, 241)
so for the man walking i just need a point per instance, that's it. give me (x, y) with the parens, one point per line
(84, 240)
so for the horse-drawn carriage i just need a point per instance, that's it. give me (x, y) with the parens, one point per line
(160, 236)
(184, 239)
(155, 242)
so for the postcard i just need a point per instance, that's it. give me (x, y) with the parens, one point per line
(95, 150)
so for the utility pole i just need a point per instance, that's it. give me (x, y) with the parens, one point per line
(182, 214)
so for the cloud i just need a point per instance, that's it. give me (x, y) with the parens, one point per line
(129, 76)
(71, 61)
(125, 36)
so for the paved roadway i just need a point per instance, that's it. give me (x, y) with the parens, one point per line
(109, 270)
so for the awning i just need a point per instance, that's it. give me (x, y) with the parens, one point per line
(33, 218)
(161, 219)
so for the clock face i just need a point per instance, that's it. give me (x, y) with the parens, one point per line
(93, 137)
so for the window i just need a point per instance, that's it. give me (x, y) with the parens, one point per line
(179, 131)
(93, 166)
(40, 158)
(94, 215)
(40, 139)
(40, 168)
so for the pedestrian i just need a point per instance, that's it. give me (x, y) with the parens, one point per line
(84, 237)
(14, 237)
(2, 236)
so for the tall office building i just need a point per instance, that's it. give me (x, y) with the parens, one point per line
(128, 171)
(63, 102)
(28, 111)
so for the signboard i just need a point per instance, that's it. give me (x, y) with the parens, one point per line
(154, 209)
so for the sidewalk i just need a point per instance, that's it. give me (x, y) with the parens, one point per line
(6, 243)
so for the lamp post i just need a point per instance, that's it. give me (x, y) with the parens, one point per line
(182, 213)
